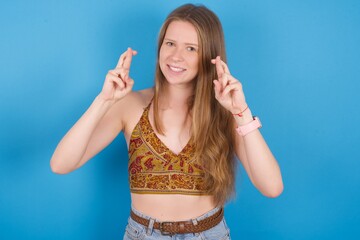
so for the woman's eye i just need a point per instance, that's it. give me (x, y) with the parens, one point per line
(169, 44)
(191, 49)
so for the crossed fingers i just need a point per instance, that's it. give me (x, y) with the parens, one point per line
(123, 66)
(221, 66)
(225, 82)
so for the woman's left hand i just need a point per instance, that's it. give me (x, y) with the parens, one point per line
(228, 90)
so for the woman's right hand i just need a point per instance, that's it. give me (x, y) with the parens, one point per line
(118, 82)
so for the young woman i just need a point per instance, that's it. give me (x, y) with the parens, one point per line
(182, 135)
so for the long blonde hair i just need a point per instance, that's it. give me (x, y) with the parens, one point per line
(212, 128)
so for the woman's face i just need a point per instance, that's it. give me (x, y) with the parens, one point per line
(179, 53)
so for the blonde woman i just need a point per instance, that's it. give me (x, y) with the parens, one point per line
(182, 135)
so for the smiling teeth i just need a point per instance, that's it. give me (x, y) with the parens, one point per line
(176, 69)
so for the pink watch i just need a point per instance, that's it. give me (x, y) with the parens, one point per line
(251, 126)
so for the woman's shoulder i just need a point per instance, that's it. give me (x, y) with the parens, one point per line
(145, 95)
(130, 108)
(138, 99)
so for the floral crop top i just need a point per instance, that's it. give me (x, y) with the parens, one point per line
(153, 168)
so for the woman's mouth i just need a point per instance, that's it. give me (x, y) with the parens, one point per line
(176, 69)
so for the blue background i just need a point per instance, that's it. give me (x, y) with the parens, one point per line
(299, 65)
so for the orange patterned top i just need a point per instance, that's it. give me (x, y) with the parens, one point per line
(153, 168)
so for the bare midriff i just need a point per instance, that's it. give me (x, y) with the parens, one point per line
(172, 207)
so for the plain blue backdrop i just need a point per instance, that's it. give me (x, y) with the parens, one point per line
(299, 65)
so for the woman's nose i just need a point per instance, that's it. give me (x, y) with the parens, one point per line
(177, 54)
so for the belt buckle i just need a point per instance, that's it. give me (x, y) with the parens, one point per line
(161, 228)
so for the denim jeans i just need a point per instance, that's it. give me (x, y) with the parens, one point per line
(135, 231)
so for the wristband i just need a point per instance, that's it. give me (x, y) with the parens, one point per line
(240, 114)
(251, 126)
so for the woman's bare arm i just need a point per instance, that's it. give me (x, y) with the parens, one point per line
(100, 124)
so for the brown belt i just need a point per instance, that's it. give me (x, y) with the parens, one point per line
(181, 227)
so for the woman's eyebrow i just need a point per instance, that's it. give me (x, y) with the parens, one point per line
(169, 39)
(194, 44)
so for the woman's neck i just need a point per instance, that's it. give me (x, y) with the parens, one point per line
(175, 97)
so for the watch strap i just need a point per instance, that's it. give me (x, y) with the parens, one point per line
(249, 127)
